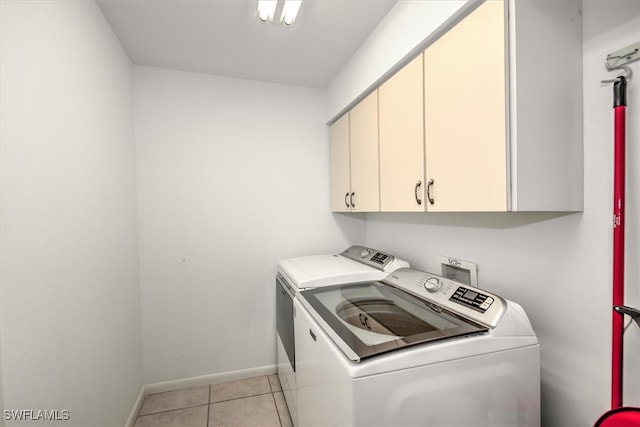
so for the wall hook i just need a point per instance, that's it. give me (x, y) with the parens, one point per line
(619, 59)
(627, 70)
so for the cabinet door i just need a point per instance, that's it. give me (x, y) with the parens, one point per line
(339, 164)
(402, 140)
(363, 125)
(465, 114)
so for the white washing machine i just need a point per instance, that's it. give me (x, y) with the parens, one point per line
(414, 349)
(355, 264)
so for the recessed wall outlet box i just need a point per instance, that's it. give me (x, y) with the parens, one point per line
(459, 270)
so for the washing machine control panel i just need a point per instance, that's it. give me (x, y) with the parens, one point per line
(472, 298)
(473, 303)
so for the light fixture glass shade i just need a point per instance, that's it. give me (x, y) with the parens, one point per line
(290, 11)
(266, 9)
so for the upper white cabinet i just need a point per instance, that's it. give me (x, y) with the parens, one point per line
(489, 117)
(363, 138)
(339, 158)
(402, 140)
(465, 114)
(354, 159)
(503, 109)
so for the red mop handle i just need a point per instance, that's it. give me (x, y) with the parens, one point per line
(619, 108)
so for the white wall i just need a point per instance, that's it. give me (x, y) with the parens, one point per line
(557, 266)
(232, 177)
(70, 309)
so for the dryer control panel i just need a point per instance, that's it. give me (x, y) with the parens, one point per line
(474, 304)
(373, 258)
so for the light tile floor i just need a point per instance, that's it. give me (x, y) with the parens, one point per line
(252, 402)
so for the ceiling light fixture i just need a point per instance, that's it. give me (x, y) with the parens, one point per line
(290, 11)
(268, 9)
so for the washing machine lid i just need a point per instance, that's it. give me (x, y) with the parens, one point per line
(325, 270)
(355, 264)
(371, 318)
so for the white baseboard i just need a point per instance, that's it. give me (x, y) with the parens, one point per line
(136, 407)
(196, 382)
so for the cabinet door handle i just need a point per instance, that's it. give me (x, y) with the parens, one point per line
(346, 203)
(313, 336)
(429, 186)
(418, 184)
(351, 199)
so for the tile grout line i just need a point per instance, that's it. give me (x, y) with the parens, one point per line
(273, 395)
(170, 410)
(277, 410)
(241, 397)
(273, 398)
(208, 407)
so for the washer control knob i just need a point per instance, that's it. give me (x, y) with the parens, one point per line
(432, 284)
(365, 253)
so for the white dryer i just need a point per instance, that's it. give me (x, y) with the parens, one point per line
(414, 349)
(355, 264)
